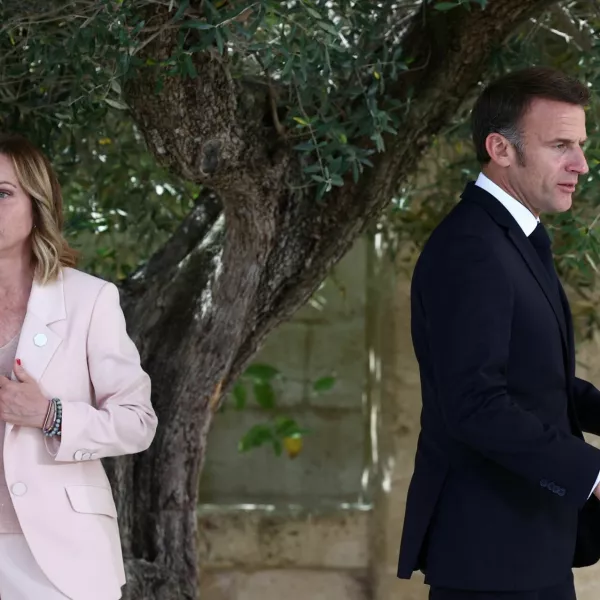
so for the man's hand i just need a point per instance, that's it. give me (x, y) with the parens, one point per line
(22, 402)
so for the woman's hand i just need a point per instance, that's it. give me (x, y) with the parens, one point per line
(22, 402)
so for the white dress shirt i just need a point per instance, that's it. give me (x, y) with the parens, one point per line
(521, 214)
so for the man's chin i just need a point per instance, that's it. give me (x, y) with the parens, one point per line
(562, 204)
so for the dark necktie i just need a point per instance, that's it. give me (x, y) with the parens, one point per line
(540, 240)
(543, 246)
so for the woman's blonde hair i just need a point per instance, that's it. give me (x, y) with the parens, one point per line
(37, 177)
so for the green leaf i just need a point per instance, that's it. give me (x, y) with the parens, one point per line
(265, 395)
(288, 67)
(181, 9)
(208, 4)
(240, 395)
(328, 28)
(314, 168)
(115, 85)
(190, 69)
(261, 372)
(116, 104)
(312, 12)
(255, 437)
(336, 180)
(324, 384)
(322, 188)
(277, 447)
(202, 25)
(305, 146)
(445, 5)
(219, 40)
(287, 427)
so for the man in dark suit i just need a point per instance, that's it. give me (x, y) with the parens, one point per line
(502, 473)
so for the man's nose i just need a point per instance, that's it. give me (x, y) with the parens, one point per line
(579, 164)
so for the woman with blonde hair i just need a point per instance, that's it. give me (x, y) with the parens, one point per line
(72, 391)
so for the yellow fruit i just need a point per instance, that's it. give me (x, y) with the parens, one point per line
(293, 445)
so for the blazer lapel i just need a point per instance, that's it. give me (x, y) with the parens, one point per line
(519, 239)
(37, 342)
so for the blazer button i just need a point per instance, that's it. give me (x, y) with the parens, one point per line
(86, 456)
(40, 340)
(561, 492)
(544, 483)
(19, 488)
(78, 455)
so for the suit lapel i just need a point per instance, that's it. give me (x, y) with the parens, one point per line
(501, 215)
(538, 270)
(37, 342)
(570, 360)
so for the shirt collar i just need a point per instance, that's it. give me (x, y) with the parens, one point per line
(521, 214)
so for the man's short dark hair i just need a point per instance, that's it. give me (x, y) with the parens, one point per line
(503, 103)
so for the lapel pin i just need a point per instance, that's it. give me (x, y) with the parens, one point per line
(40, 339)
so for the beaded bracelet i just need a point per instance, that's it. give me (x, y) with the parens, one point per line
(53, 428)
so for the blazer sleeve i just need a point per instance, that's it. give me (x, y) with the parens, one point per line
(123, 420)
(587, 405)
(468, 300)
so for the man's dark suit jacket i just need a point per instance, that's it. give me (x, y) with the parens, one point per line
(501, 470)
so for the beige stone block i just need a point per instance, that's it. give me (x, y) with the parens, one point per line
(339, 349)
(219, 585)
(284, 585)
(587, 583)
(392, 588)
(342, 295)
(264, 539)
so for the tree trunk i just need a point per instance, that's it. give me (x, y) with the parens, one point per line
(248, 256)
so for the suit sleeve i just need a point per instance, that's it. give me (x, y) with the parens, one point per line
(587, 405)
(123, 420)
(467, 300)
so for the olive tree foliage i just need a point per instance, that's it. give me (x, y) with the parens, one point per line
(219, 156)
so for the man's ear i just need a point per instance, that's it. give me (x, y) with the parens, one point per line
(500, 150)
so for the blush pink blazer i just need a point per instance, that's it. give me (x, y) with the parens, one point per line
(75, 344)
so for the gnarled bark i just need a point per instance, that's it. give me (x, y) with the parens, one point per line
(201, 307)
